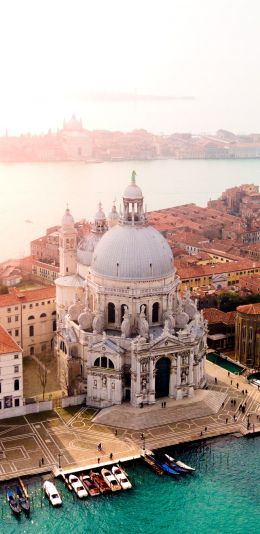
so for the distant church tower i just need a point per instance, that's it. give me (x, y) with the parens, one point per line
(68, 245)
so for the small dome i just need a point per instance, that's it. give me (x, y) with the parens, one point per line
(132, 253)
(67, 219)
(133, 191)
(100, 215)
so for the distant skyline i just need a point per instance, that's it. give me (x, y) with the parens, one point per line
(56, 51)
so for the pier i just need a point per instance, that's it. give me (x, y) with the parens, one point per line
(60, 441)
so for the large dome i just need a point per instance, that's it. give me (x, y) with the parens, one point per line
(132, 253)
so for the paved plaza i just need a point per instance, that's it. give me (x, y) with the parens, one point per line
(69, 437)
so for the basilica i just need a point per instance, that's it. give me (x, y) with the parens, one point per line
(123, 332)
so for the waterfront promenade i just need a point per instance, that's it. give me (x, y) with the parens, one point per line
(68, 438)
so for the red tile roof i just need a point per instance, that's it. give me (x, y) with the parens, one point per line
(15, 296)
(250, 309)
(7, 343)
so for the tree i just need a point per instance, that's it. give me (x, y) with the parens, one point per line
(43, 377)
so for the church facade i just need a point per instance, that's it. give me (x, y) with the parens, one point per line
(124, 333)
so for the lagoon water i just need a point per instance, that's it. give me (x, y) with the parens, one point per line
(33, 197)
(221, 497)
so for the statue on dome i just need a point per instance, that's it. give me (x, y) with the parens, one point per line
(98, 322)
(143, 325)
(126, 325)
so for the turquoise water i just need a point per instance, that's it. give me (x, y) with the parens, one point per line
(221, 497)
(226, 364)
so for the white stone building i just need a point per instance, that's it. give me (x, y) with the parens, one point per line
(123, 330)
(11, 372)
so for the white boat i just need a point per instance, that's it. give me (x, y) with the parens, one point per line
(110, 480)
(121, 477)
(52, 493)
(179, 463)
(77, 486)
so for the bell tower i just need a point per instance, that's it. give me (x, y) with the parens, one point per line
(68, 245)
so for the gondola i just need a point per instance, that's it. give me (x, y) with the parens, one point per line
(14, 505)
(163, 459)
(171, 460)
(23, 501)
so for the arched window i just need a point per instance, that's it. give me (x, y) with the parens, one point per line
(104, 362)
(16, 385)
(31, 317)
(155, 312)
(43, 315)
(31, 351)
(111, 312)
(31, 330)
(63, 347)
(54, 312)
(123, 311)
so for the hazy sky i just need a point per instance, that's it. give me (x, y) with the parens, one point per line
(53, 52)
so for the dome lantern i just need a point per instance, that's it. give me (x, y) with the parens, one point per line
(133, 211)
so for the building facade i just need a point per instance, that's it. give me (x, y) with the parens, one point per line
(30, 318)
(11, 372)
(247, 348)
(124, 333)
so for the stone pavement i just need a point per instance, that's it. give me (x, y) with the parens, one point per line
(69, 437)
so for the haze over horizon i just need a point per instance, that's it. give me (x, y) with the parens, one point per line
(56, 53)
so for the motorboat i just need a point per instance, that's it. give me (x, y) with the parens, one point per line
(179, 463)
(52, 493)
(99, 482)
(14, 505)
(121, 477)
(110, 480)
(89, 485)
(77, 487)
(23, 500)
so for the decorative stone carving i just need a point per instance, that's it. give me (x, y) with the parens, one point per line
(189, 306)
(181, 319)
(143, 325)
(126, 325)
(85, 320)
(75, 309)
(168, 317)
(98, 322)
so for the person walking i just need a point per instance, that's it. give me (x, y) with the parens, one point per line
(111, 456)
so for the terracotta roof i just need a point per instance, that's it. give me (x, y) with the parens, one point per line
(218, 268)
(213, 315)
(250, 309)
(15, 296)
(7, 343)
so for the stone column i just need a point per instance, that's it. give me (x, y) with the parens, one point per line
(191, 380)
(151, 381)
(172, 385)
(178, 378)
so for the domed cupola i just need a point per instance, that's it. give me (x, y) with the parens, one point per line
(113, 216)
(100, 222)
(133, 212)
(67, 221)
(133, 250)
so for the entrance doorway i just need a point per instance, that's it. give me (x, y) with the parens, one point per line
(162, 377)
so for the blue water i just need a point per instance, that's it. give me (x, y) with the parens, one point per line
(221, 497)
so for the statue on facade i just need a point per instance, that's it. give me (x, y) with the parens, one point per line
(143, 326)
(98, 322)
(168, 317)
(126, 325)
(189, 306)
(182, 318)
